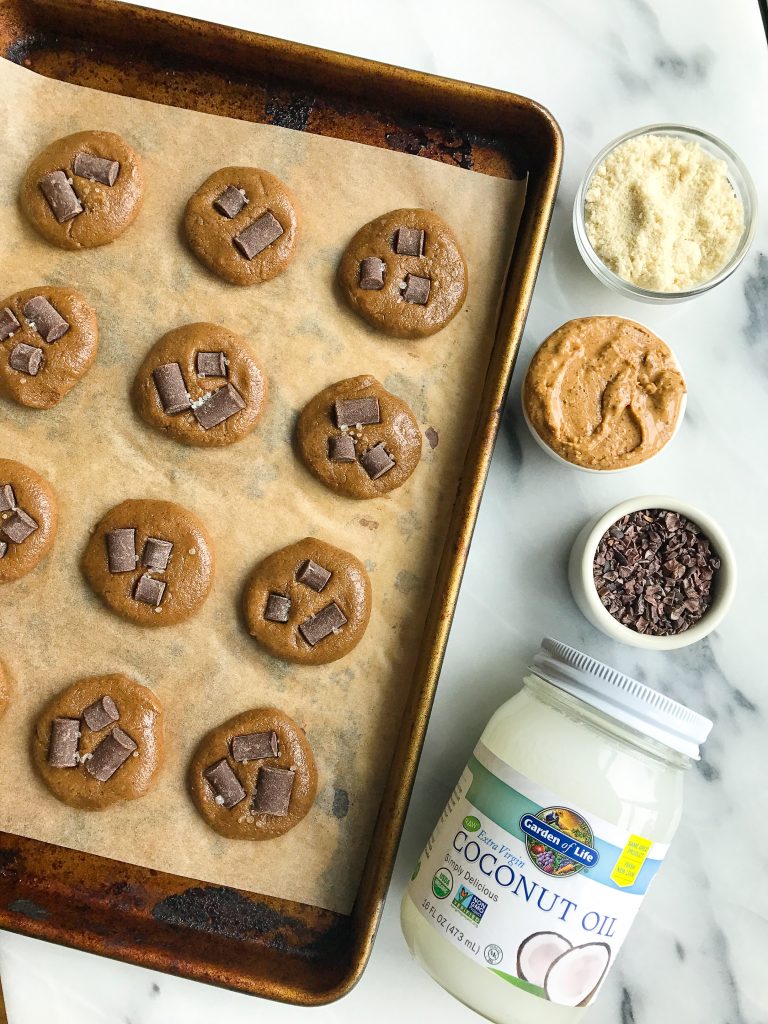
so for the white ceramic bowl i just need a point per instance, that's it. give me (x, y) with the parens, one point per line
(606, 472)
(585, 593)
(740, 180)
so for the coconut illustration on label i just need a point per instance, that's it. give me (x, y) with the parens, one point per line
(537, 953)
(575, 976)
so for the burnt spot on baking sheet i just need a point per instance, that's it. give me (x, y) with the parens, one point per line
(288, 110)
(28, 908)
(227, 913)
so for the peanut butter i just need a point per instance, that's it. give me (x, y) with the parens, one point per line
(604, 392)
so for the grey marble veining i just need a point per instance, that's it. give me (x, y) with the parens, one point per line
(697, 952)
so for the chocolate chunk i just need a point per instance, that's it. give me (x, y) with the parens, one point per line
(62, 748)
(377, 461)
(96, 168)
(417, 289)
(156, 554)
(432, 436)
(251, 746)
(278, 608)
(273, 791)
(211, 364)
(101, 713)
(26, 359)
(7, 498)
(230, 202)
(409, 242)
(113, 751)
(8, 324)
(148, 590)
(121, 550)
(60, 195)
(313, 575)
(319, 626)
(226, 787)
(19, 526)
(3, 548)
(341, 449)
(171, 388)
(47, 321)
(351, 412)
(218, 407)
(258, 235)
(372, 274)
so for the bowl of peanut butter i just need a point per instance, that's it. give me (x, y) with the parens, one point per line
(603, 394)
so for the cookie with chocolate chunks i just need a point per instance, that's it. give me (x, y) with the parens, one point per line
(201, 385)
(294, 617)
(254, 797)
(99, 742)
(151, 562)
(29, 518)
(359, 439)
(84, 190)
(405, 274)
(242, 224)
(48, 341)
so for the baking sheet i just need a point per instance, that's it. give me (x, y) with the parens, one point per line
(254, 496)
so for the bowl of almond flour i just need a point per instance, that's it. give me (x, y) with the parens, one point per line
(665, 213)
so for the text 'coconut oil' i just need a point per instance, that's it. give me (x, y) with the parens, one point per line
(556, 829)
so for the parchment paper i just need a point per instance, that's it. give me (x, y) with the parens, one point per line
(254, 496)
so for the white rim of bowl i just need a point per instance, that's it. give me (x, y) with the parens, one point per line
(726, 575)
(622, 469)
(604, 273)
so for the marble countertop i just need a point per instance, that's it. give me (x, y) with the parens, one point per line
(697, 951)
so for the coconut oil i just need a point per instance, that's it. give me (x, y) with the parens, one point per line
(557, 827)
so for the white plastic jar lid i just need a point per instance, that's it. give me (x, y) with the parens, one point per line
(622, 697)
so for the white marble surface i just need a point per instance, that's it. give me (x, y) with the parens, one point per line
(698, 951)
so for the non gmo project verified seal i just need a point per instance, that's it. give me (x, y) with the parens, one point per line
(469, 905)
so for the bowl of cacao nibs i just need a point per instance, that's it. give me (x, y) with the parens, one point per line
(653, 572)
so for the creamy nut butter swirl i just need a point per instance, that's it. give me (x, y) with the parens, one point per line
(604, 392)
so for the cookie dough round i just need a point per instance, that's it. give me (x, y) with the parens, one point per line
(134, 738)
(150, 562)
(239, 820)
(35, 371)
(107, 210)
(422, 287)
(266, 249)
(29, 519)
(323, 437)
(309, 603)
(211, 361)
(5, 689)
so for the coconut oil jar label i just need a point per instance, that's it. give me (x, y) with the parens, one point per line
(538, 891)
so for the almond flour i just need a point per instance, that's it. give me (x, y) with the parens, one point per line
(661, 213)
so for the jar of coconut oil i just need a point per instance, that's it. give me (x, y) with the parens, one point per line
(557, 827)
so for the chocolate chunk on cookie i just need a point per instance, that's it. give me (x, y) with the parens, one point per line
(29, 515)
(242, 224)
(84, 190)
(150, 562)
(404, 273)
(358, 439)
(254, 777)
(179, 388)
(51, 347)
(99, 742)
(315, 622)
